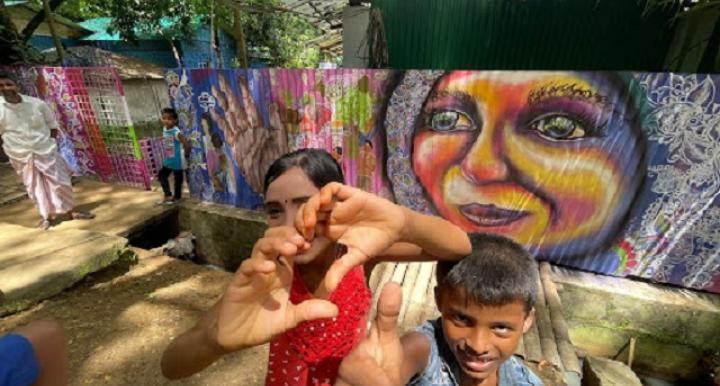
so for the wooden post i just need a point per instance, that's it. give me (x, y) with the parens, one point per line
(49, 16)
(566, 350)
(631, 353)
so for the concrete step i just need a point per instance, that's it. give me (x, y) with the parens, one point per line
(606, 372)
(676, 329)
(37, 264)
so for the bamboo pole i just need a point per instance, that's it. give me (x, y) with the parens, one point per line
(565, 348)
(548, 344)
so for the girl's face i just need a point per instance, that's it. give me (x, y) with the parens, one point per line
(546, 159)
(168, 121)
(283, 199)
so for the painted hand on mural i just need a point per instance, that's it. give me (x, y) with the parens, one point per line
(255, 142)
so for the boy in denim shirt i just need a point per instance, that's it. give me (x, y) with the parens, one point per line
(486, 305)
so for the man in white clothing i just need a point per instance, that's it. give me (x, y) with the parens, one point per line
(28, 129)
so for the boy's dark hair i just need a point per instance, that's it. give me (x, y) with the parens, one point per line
(320, 167)
(170, 111)
(496, 273)
(7, 75)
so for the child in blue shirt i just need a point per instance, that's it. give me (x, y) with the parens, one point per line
(36, 354)
(175, 145)
(486, 305)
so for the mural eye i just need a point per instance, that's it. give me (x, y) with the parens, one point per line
(450, 120)
(558, 127)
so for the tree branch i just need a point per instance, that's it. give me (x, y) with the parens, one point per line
(35, 22)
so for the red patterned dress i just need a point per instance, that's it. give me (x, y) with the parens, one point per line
(310, 354)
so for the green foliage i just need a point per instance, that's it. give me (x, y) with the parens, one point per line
(279, 37)
(275, 37)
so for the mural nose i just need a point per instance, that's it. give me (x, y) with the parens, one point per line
(485, 161)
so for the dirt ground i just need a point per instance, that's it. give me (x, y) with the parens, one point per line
(120, 320)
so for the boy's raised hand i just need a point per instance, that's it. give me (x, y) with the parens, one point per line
(365, 223)
(379, 359)
(256, 306)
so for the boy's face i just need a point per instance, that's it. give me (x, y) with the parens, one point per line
(481, 337)
(168, 120)
(8, 88)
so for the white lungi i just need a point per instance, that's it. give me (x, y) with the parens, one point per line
(25, 128)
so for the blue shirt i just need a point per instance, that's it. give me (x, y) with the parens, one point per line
(18, 363)
(172, 149)
(443, 370)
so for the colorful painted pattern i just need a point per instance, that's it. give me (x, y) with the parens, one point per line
(90, 106)
(616, 173)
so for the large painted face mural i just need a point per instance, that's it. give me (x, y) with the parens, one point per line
(550, 160)
(616, 173)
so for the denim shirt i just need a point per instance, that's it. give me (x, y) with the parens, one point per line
(443, 369)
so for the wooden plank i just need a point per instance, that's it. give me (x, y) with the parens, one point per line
(531, 345)
(419, 298)
(566, 350)
(548, 344)
(409, 282)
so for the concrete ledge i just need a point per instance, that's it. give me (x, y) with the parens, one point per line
(675, 327)
(605, 372)
(224, 235)
(36, 264)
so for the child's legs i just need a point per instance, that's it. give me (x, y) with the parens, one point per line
(163, 177)
(50, 346)
(178, 174)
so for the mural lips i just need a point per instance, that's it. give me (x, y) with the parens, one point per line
(491, 215)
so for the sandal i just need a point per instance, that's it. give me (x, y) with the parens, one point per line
(44, 224)
(82, 216)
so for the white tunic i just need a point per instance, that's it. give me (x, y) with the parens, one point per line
(25, 128)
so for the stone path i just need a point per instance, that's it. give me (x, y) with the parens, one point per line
(37, 264)
(11, 187)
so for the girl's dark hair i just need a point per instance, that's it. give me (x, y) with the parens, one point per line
(320, 167)
(170, 111)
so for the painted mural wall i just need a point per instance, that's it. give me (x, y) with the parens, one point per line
(616, 173)
(97, 133)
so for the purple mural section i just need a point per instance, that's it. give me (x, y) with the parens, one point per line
(615, 173)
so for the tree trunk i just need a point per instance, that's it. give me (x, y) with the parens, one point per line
(211, 43)
(49, 16)
(35, 22)
(9, 39)
(240, 48)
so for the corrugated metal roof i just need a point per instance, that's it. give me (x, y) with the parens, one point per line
(99, 26)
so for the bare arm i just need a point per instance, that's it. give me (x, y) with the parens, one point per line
(185, 143)
(193, 350)
(242, 318)
(427, 238)
(50, 120)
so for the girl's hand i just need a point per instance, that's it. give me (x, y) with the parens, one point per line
(363, 222)
(256, 306)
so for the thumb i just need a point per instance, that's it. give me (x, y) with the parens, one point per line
(338, 270)
(312, 309)
(389, 305)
